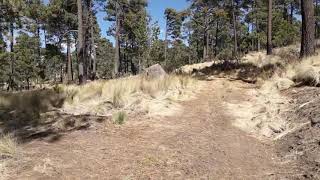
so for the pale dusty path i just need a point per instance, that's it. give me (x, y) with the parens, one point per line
(199, 143)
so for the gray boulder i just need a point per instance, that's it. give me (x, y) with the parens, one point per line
(155, 71)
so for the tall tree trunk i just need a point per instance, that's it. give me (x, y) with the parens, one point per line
(87, 42)
(39, 42)
(166, 43)
(235, 39)
(317, 24)
(117, 44)
(69, 61)
(205, 48)
(217, 39)
(11, 76)
(2, 49)
(269, 38)
(94, 59)
(258, 40)
(61, 73)
(291, 12)
(45, 36)
(93, 47)
(285, 12)
(308, 28)
(253, 27)
(198, 54)
(80, 52)
(257, 24)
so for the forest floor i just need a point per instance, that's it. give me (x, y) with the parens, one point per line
(201, 142)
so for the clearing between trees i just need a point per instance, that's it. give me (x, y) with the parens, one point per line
(227, 122)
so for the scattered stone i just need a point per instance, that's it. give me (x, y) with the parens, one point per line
(314, 120)
(262, 110)
(284, 84)
(275, 128)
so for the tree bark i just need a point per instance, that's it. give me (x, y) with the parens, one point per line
(39, 42)
(2, 49)
(269, 38)
(235, 39)
(11, 76)
(80, 48)
(217, 39)
(69, 61)
(257, 25)
(166, 42)
(205, 48)
(117, 46)
(317, 24)
(308, 28)
(93, 47)
(291, 12)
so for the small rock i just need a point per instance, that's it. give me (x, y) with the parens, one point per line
(284, 83)
(275, 128)
(262, 110)
(314, 120)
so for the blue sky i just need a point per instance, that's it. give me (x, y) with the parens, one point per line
(156, 9)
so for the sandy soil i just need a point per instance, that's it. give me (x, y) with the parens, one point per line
(199, 143)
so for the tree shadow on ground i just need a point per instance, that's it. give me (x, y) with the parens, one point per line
(35, 114)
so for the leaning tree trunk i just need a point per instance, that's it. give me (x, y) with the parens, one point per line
(269, 43)
(308, 28)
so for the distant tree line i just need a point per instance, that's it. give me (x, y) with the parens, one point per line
(60, 41)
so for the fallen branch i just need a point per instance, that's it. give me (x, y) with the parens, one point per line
(251, 81)
(305, 104)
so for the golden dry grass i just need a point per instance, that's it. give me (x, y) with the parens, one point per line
(303, 72)
(130, 93)
(8, 146)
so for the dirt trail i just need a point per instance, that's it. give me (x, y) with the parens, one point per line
(199, 143)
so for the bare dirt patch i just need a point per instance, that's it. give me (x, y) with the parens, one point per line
(198, 143)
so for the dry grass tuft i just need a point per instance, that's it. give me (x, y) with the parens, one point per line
(119, 117)
(8, 146)
(302, 72)
(306, 72)
(307, 75)
(134, 93)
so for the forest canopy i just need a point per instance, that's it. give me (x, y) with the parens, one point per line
(60, 41)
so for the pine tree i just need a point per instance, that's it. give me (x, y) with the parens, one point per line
(269, 43)
(308, 28)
